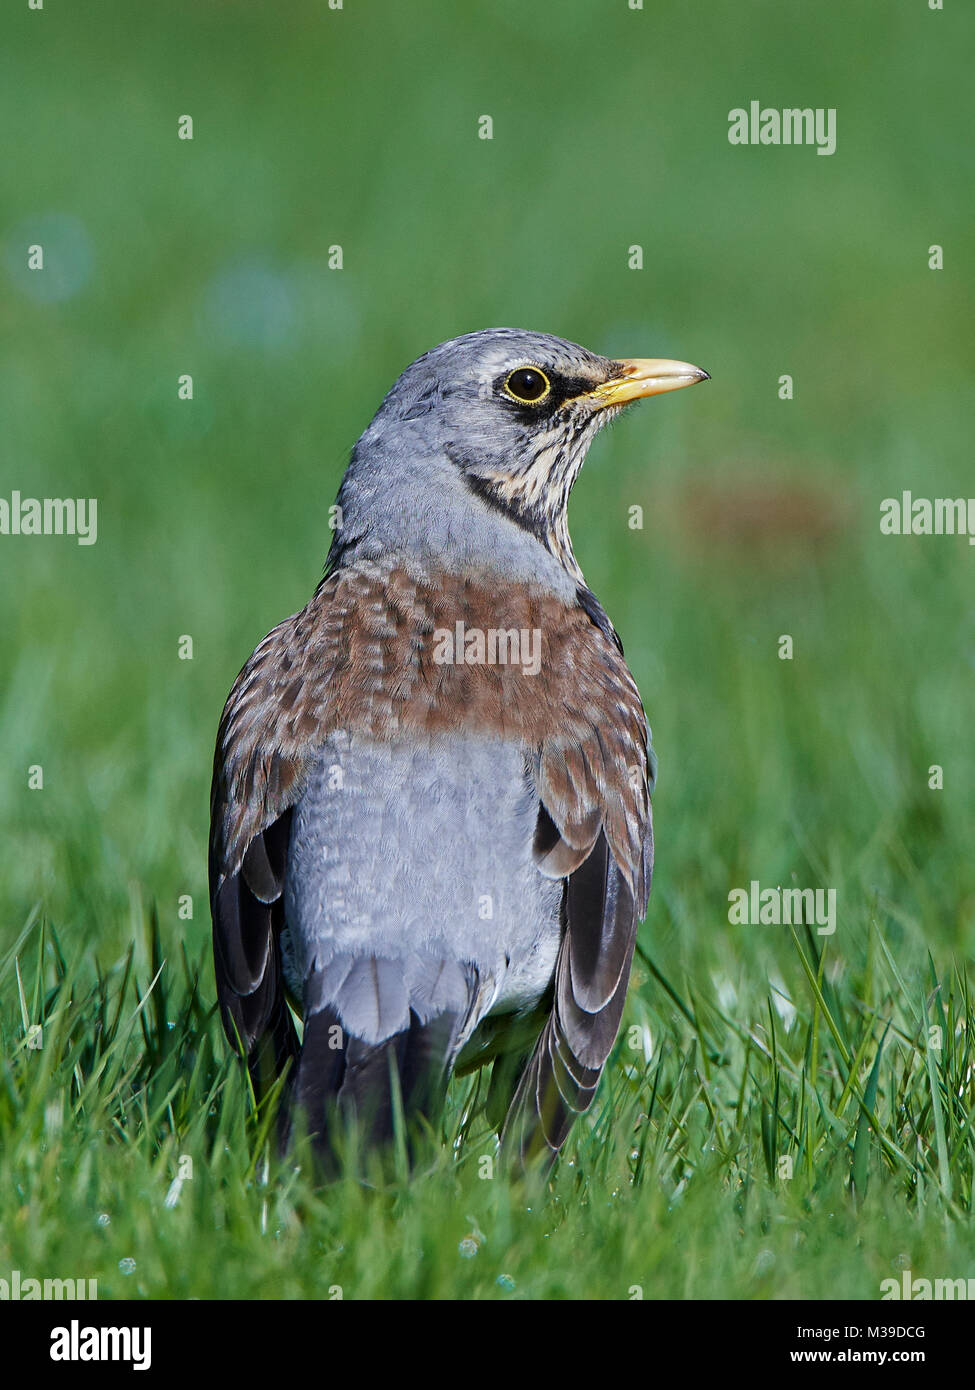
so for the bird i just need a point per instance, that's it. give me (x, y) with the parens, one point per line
(431, 828)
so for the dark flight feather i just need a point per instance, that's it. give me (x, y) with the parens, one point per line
(591, 978)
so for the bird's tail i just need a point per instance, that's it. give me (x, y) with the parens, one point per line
(379, 1039)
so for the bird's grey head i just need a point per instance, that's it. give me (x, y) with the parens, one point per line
(499, 420)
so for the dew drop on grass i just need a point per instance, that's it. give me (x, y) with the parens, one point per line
(127, 1265)
(103, 1218)
(467, 1247)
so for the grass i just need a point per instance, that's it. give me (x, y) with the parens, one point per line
(739, 1147)
(760, 518)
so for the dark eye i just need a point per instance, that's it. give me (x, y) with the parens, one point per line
(528, 384)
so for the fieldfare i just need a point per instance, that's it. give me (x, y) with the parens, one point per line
(430, 816)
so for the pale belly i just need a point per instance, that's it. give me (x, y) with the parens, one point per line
(399, 850)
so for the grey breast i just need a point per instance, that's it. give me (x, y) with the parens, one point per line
(411, 883)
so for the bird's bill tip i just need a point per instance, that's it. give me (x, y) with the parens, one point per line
(645, 376)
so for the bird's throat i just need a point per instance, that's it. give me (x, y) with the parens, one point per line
(542, 512)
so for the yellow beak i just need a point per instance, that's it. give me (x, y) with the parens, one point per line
(644, 376)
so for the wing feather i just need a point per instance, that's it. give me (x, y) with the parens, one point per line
(595, 825)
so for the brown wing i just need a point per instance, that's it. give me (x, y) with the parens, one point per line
(596, 827)
(269, 728)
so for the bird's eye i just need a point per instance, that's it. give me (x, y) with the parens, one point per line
(528, 384)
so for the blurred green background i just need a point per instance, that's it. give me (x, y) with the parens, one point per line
(761, 516)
